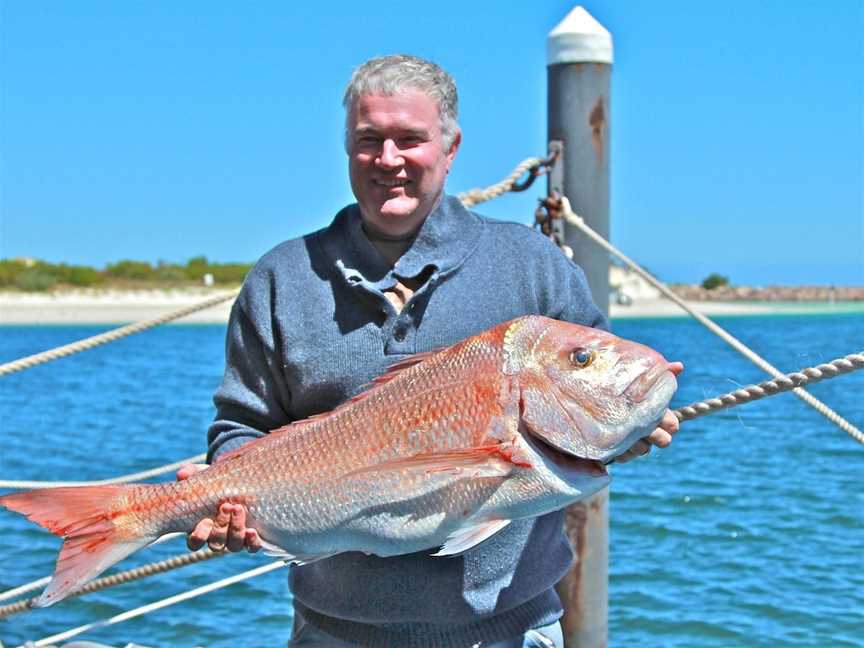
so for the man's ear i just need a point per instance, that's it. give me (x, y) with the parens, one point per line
(454, 146)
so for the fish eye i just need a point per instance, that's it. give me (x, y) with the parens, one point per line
(581, 357)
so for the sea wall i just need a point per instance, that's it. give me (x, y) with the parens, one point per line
(771, 293)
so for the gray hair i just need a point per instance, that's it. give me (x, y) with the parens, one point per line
(390, 75)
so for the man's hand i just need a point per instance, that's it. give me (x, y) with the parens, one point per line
(660, 437)
(227, 531)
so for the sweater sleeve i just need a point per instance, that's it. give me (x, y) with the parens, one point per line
(568, 295)
(252, 398)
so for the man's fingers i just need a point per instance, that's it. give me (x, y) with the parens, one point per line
(223, 517)
(676, 367)
(199, 535)
(187, 470)
(236, 528)
(641, 447)
(660, 438)
(219, 533)
(670, 422)
(669, 425)
(628, 456)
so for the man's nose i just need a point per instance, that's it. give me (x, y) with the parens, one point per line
(390, 156)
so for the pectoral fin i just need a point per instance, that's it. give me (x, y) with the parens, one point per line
(471, 536)
(270, 549)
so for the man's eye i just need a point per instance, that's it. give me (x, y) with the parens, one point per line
(406, 142)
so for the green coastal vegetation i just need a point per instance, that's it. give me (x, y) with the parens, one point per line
(33, 275)
(715, 280)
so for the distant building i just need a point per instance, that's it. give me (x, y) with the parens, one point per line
(627, 286)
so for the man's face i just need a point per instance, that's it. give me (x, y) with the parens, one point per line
(396, 160)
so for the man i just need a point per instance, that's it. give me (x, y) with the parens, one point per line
(405, 270)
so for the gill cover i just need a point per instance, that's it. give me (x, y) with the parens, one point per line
(579, 405)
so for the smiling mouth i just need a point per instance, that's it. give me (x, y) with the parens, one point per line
(391, 184)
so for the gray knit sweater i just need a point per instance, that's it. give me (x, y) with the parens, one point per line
(311, 327)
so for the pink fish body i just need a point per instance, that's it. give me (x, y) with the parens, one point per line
(441, 452)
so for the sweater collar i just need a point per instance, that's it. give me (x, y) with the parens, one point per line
(448, 235)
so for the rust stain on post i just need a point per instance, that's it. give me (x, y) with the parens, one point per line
(583, 595)
(569, 588)
(597, 122)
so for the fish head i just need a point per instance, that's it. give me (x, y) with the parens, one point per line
(585, 392)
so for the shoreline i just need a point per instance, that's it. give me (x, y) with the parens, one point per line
(127, 306)
(110, 306)
(661, 307)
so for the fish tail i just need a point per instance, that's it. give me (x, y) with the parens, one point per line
(95, 530)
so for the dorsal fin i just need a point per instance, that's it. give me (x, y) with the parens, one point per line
(255, 443)
(399, 366)
(389, 374)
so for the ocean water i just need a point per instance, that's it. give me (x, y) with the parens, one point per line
(748, 531)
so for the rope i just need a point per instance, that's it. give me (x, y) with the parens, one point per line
(139, 476)
(23, 589)
(150, 607)
(788, 382)
(831, 415)
(475, 196)
(110, 336)
(109, 581)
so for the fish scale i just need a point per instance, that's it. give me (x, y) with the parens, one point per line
(442, 451)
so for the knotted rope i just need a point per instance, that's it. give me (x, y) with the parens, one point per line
(788, 382)
(533, 165)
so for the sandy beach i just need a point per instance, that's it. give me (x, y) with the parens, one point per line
(125, 306)
(109, 306)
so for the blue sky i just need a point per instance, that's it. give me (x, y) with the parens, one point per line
(165, 130)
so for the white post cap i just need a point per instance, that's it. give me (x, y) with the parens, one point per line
(579, 38)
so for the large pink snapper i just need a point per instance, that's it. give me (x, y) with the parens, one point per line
(442, 452)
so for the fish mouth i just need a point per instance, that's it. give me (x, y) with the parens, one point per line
(638, 390)
(562, 459)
